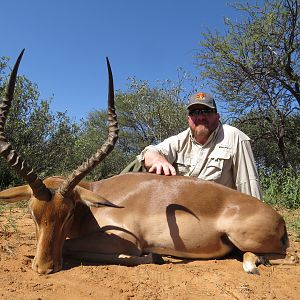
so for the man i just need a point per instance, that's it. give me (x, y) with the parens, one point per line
(207, 150)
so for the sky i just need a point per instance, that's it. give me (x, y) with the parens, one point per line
(66, 43)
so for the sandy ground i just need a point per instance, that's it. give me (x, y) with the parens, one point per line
(205, 279)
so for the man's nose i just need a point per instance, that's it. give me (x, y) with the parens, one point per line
(201, 117)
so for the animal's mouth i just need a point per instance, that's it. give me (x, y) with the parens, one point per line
(47, 268)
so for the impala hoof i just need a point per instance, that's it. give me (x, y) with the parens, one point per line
(250, 268)
(250, 263)
(156, 259)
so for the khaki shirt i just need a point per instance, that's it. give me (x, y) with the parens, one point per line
(225, 158)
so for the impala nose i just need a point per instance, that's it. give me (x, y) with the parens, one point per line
(46, 268)
(45, 272)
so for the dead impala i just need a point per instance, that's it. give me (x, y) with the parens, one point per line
(140, 215)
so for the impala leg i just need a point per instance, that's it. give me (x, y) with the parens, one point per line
(109, 249)
(251, 261)
(118, 259)
(282, 259)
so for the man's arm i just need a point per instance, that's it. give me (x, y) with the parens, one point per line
(160, 158)
(245, 172)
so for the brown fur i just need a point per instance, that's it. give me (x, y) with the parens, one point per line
(168, 215)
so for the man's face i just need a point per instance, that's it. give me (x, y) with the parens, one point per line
(203, 121)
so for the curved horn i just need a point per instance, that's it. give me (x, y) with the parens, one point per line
(15, 160)
(72, 180)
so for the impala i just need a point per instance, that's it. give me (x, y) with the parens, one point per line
(139, 215)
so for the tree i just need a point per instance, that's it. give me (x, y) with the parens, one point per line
(146, 115)
(254, 68)
(268, 155)
(41, 137)
(53, 145)
(149, 115)
(92, 136)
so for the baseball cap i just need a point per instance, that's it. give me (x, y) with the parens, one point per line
(205, 99)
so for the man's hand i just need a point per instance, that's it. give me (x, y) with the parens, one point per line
(156, 163)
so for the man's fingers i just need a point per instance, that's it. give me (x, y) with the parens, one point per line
(160, 168)
(166, 170)
(173, 171)
(156, 168)
(152, 169)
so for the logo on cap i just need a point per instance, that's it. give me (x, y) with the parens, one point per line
(200, 96)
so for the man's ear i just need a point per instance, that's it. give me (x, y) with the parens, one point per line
(90, 198)
(16, 194)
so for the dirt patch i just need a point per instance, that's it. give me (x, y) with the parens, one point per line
(202, 279)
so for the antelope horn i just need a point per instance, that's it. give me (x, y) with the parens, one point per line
(72, 180)
(6, 150)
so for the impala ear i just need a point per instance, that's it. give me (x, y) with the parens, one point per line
(16, 194)
(90, 198)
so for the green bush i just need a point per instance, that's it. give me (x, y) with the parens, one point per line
(296, 227)
(281, 188)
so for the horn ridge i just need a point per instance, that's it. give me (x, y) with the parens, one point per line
(77, 175)
(9, 92)
(6, 150)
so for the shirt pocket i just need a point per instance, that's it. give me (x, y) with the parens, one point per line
(215, 164)
(183, 165)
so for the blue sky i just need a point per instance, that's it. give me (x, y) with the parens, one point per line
(67, 41)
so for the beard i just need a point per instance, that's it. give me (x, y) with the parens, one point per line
(201, 132)
(202, 127)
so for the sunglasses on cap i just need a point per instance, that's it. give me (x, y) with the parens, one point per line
(203, 111)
